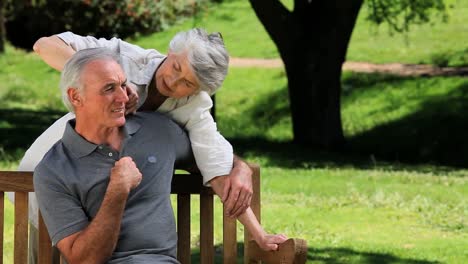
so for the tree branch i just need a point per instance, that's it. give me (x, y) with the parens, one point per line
(274, 17)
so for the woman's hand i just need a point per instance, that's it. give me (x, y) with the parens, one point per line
(269, 242)
(132, 104)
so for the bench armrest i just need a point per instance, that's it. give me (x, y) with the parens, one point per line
(293, 250)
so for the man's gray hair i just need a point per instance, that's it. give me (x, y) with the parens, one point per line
(206, 55)
(71, 73)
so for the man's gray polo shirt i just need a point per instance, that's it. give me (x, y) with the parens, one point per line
(72, 179)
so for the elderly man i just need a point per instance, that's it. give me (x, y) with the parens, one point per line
(103, 189)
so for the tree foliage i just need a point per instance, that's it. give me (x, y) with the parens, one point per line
(28, 20)
(399, 15)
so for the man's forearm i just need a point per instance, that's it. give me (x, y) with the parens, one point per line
(53, 51)
(97, 242)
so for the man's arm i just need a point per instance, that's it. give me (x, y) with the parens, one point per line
(97, 241)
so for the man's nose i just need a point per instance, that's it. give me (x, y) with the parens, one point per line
(122, 95)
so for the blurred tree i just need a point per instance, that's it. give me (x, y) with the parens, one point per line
(312, 40)
(2, 26)
(27, 20)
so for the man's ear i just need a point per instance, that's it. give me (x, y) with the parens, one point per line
(75, 97)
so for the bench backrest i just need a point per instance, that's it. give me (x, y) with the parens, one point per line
(184, 186)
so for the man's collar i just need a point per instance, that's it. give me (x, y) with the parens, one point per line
(81, 147)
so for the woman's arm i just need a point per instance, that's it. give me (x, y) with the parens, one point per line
(53, 51)
(264, 240)
(213, 153)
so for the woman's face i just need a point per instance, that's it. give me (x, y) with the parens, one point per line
(175, 77)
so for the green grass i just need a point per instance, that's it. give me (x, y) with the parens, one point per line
(8, 231)
(243, 34)
(396, 194)
(435, 43)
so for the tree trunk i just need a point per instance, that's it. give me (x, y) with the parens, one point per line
(312, 41)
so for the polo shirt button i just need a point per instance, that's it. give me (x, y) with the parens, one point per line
(110, 154)
(100, 147)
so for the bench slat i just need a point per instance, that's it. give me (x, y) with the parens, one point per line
(183, 228)
(206, 229)
(229, 239)
(16, 181)
(21, 228)
(255, 206)
(44, 250)
(188, 184)
(2, 220)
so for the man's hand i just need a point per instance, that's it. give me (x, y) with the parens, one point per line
(237, 189)
(132, 104)
(125, 174)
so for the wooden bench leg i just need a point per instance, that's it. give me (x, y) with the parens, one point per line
(206, 229)
(183, 228)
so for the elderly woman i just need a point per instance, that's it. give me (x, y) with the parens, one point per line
(179, 85)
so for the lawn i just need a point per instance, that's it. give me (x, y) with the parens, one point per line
(441, 43)
(396, 194)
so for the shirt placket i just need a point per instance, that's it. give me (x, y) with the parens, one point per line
(108, 152)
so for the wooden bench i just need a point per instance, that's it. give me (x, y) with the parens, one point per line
(292, 251)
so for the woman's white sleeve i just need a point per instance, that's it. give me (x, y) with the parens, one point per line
(36, 152)
(213, 153)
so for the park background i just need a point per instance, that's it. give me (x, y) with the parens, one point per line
(396, 194)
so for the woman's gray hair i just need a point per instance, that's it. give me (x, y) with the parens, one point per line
(71, 73)
(206, 55)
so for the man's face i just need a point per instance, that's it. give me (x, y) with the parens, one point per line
(103, 95)
(175, 78)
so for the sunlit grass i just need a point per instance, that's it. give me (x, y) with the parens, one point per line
(438, 42)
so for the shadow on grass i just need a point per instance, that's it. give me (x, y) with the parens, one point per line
(326, 255)
(435, 134)
(346, 255)
(20, 127)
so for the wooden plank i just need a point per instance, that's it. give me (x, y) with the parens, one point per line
(189, 184)
(206, 229)
(16, 181)
(45, 244)
(2, 222)
(229, 239)
(183, 228)
(255, 205)
(21, 228)
(292, 251)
